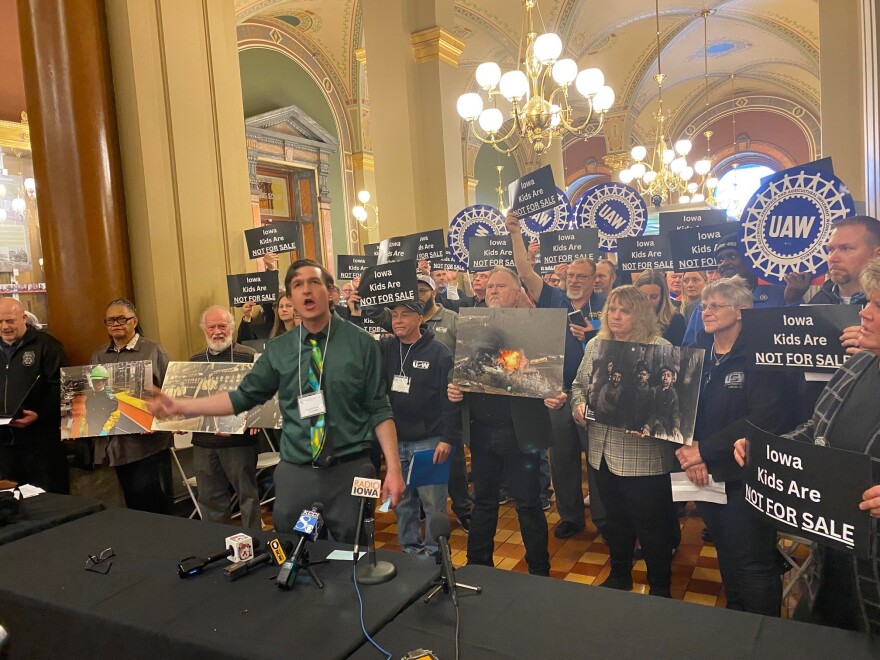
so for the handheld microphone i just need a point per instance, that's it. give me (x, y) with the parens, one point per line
(308, 526)
(440, 531)
(367, 488)
(273, 549)
(190, 566)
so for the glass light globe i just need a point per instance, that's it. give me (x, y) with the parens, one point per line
(469, 106)
(565, 71)
(2, 215)
(703, 166)
(683, 147)
(513, 85)
(30, 185)
(360, 213)
(684, 199)
(604, 99)
(692, 187)
(626, 176)
(19, 205)
(699, 197)
(491, 120)
(488, 74)
(649, 177)
(2, 191)
(555, 117)
(712, 182)
(547, 47)
(638, 153)
(678, 164)
(364, 196)
(638, 169)
(668, 156)
(589, 82)
(687, 173)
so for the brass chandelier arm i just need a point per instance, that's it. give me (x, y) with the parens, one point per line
(495, 141)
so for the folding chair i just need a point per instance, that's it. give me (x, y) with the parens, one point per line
(183, 443)
(265, 460)
(788, 545)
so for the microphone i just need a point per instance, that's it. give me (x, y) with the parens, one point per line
(371, 571)
(367, 488)
(190, 566)
(440, 531)
(308, 526)
(242, 568)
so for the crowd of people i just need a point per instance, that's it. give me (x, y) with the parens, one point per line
(348, 402)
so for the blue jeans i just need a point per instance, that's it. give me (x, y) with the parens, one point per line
(432, 498)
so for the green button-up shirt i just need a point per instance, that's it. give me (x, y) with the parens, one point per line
(354, 393)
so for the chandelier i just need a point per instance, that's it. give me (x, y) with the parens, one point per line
(539, 96)
(667, 172)
(361, 213)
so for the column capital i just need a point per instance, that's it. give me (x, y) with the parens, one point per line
(436, 44)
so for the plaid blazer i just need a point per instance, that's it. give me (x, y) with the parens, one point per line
(828, 405)
(627, 455)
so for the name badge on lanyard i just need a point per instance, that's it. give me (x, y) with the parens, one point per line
(311, 404)
(400, 384)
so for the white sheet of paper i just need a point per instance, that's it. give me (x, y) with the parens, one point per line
(684, 491)
(343, 555)
(27, 491)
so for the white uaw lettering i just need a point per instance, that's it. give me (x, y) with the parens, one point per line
(790, 226)
(611, 216)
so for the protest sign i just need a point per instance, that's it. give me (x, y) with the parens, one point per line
(675, 220)
(276, 237)
(350, 266)
(259, 287)
(424, 245)
(563, 247)
(638, 253)
(486, 252)
(533, 193)
(477, 220)
(694, 249)
(805, 338)
(559, 217)
(371, 249)
(809, 490)
(388, 284)
(615, 209)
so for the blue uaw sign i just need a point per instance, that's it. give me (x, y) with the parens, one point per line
(615, 209)
(786, 224)
(555, 219)
(477, 220)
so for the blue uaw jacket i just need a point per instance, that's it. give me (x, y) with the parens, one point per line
(424, 412)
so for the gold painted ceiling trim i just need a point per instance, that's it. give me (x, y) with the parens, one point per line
(363, 161)
(15, 135)
(360, 54)
(436, 44)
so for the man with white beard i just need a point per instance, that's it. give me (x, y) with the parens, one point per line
(220, 459)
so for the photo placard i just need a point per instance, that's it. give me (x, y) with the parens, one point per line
(277, 237)
(638, 253)
(533, 193)
(259, 287)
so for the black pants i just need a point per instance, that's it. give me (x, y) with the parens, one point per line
(458, 486)
(146, 484)
(639, 508)
(39, 463)
(495, 455)
(747, 556)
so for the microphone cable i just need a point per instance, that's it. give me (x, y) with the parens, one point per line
(457, 629)
(357, 590)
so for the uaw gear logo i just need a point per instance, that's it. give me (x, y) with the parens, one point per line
(555, 219)
(477, 220)
(27, 358)
(786, 224)
(615, 209)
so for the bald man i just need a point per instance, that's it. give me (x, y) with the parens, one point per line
(30, 376)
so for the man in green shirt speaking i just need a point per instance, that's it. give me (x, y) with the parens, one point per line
(328, 375)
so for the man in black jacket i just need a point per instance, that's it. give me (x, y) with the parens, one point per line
(30, 445)
(417, 369)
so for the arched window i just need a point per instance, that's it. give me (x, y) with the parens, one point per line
(736, 187)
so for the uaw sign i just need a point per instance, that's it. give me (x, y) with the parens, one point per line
(805, 338)
(615, 209)
(555, 219)
(809, 490)
(477, 220)
(786, 224)
(638, 253)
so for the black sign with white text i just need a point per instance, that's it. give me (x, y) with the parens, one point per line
(638, 253)
(259, 287)
(446, 262)
(486, 252)
(694, 249)
(389, 284)
(809, 490)
(533, 193)
(563, 247)
(277, 237)
(371, 249)
(805, 338)
(424, 245)
(350, 266)
(674, 220)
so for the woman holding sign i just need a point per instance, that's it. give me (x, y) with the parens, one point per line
(632, 472)
(847, 417)
(731, 396)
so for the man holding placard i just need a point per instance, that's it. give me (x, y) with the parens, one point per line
(847, 417)
(584, 306)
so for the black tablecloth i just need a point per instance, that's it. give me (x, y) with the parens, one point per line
(45, 511)
(522, 616)
(53, 608)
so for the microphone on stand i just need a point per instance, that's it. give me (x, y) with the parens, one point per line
(440, 531)
(308, 527)
(242, 568)
(367, 488)
(370, 571)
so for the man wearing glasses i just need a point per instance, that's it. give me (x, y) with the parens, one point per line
(584, 306)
